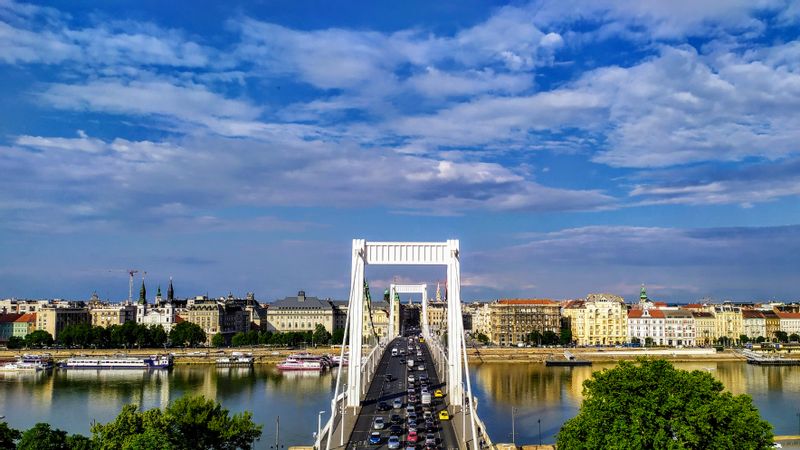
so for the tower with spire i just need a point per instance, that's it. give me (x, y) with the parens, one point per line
(141, 306)
(170, 292)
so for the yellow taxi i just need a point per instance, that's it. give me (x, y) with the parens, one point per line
(438, 393)
(444, 415)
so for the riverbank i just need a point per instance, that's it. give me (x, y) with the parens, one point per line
(263, 355)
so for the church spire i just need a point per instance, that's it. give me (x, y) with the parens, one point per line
(143, 293)
(170, 291)
(643, 295)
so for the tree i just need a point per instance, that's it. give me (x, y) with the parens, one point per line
(761, 339)
(187, 423)
(218, 340)
(158, 336)
(565, 337)
(482, 338)
(650, 404)
(321, 335)
(42, 437)
(794, 337)
(7, 436)
(187, 333)
(648, 341)
(549, 337)
(15, 342)
(782, 336)
(636, 341)
(38, 339)
(338, 336)
(744, 339)
(534, 337)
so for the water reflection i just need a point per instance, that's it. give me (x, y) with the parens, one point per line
(553, 394)
(72, 399)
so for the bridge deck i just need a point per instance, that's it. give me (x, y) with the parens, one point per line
(386, 391)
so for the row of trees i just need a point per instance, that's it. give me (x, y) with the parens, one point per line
(187, 423)
(320, 336)
(127, 335)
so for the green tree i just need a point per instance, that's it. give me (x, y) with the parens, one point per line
(650, 404)
(239, 339)
(648, 341)
(635, 340)
(534, 337)
(744, 339)
(8, 436)
(338, 336)
(42, 437)
(187, 423)
(38, 339)
(761, 339)
(321, 335)
(218, 340)
(15, 342)
(782, 336)
(549, 337)
(80, 442)
(565, 336)
(158, 336)
(482, 338)
(187, 333)
(794, 337)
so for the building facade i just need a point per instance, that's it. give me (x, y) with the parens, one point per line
(705, 325)
(512, 320)
(646, 325)
(728, 322)
(303, 313)
(107, 315)
(54, 319)
(754, 324)
(679, 328)
(601, 319)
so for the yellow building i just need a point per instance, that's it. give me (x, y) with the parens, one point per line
(304, 313)
(705, 325)
(729, 322)
(512, 320)
(54, 319)
(601, 319)
(437, 316)
(107, 315)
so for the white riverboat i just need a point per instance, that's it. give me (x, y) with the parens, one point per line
(117, 362)
(304, 361)
(28, 363)
(236, 359)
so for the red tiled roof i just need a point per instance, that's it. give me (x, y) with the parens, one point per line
(660, 304)
(693, 306)
(752, 314)
(702, 315)
(639, 313)
(179, 319)
(27, 317)
(527, 301)
(788, 315)
(10, 317)
(574, 304)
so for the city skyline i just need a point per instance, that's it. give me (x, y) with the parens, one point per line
(572, 147)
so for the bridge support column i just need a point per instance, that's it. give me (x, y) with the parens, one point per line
(356, 312)
(454, 336)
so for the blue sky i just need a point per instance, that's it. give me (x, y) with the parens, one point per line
(571, 146)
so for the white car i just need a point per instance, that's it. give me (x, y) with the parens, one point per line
(378, 423)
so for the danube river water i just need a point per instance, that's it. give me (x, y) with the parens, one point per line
(71, 400)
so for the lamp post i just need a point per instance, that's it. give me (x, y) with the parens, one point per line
(513, 431)
(319, 426)
(540, 431)
(341, 421)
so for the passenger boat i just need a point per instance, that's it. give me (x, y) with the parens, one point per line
(338, 359)
(28, 363)
(303, 361)
(236, 359)
(117, 362)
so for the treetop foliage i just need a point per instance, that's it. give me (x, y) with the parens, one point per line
(649, 404)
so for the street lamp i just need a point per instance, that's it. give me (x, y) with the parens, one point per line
(319, 426)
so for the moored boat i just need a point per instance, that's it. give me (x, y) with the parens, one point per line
(304, 361)
(117, 362)
(236, 359)
(28, 363)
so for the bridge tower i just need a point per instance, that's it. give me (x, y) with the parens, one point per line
(406, 253)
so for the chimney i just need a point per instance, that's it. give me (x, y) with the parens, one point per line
(301, 296)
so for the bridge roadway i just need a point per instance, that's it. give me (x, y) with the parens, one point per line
(386, 391)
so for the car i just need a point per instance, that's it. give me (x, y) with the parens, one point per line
(375, 438)
(420, 368)
(412, 427)
(438, 393)
(397, 403)
(412, 437)
(419, 352)
(383, 406)
(410, 409)
(378, 423)
(396, 418)
(412, 417)
(430, 440)
(430, 426)
(427, 415)
(393, 442)
(411, 378)
(444, 415)
(395, 430)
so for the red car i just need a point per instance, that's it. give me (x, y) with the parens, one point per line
(412, 437)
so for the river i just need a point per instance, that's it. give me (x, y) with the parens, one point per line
(71, 400)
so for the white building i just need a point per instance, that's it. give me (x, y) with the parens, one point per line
(679, 328)
(163, 315)
(647, 323)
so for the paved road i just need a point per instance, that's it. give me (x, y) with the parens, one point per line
(386, 391)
